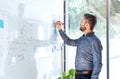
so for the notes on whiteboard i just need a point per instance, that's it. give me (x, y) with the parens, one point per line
(1, 23)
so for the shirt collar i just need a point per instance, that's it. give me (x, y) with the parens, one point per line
(89, 34)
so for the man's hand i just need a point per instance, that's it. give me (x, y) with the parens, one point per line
(58, 25)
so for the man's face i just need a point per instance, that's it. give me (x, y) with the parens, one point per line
(83, 24)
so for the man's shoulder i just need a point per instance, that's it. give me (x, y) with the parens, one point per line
(94, 38)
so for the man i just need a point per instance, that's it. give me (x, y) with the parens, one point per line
(88, 61)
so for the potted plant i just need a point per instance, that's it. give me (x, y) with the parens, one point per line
(68, 75)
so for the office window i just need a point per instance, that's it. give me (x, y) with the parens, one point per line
(114, 39)
(75, 10)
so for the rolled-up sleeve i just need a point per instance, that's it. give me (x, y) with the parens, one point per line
(97, 58)
(67, 40)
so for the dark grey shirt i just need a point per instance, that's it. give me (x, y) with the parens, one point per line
(88, 53)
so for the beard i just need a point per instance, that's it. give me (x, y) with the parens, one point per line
(82, 28)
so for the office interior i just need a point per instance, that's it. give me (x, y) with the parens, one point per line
(30, 45)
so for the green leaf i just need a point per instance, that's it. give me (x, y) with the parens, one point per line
(64, 74)
(59, 77)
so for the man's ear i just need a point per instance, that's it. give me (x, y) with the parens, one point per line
(87, 24)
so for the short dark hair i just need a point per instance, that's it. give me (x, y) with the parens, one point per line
(92, 20)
